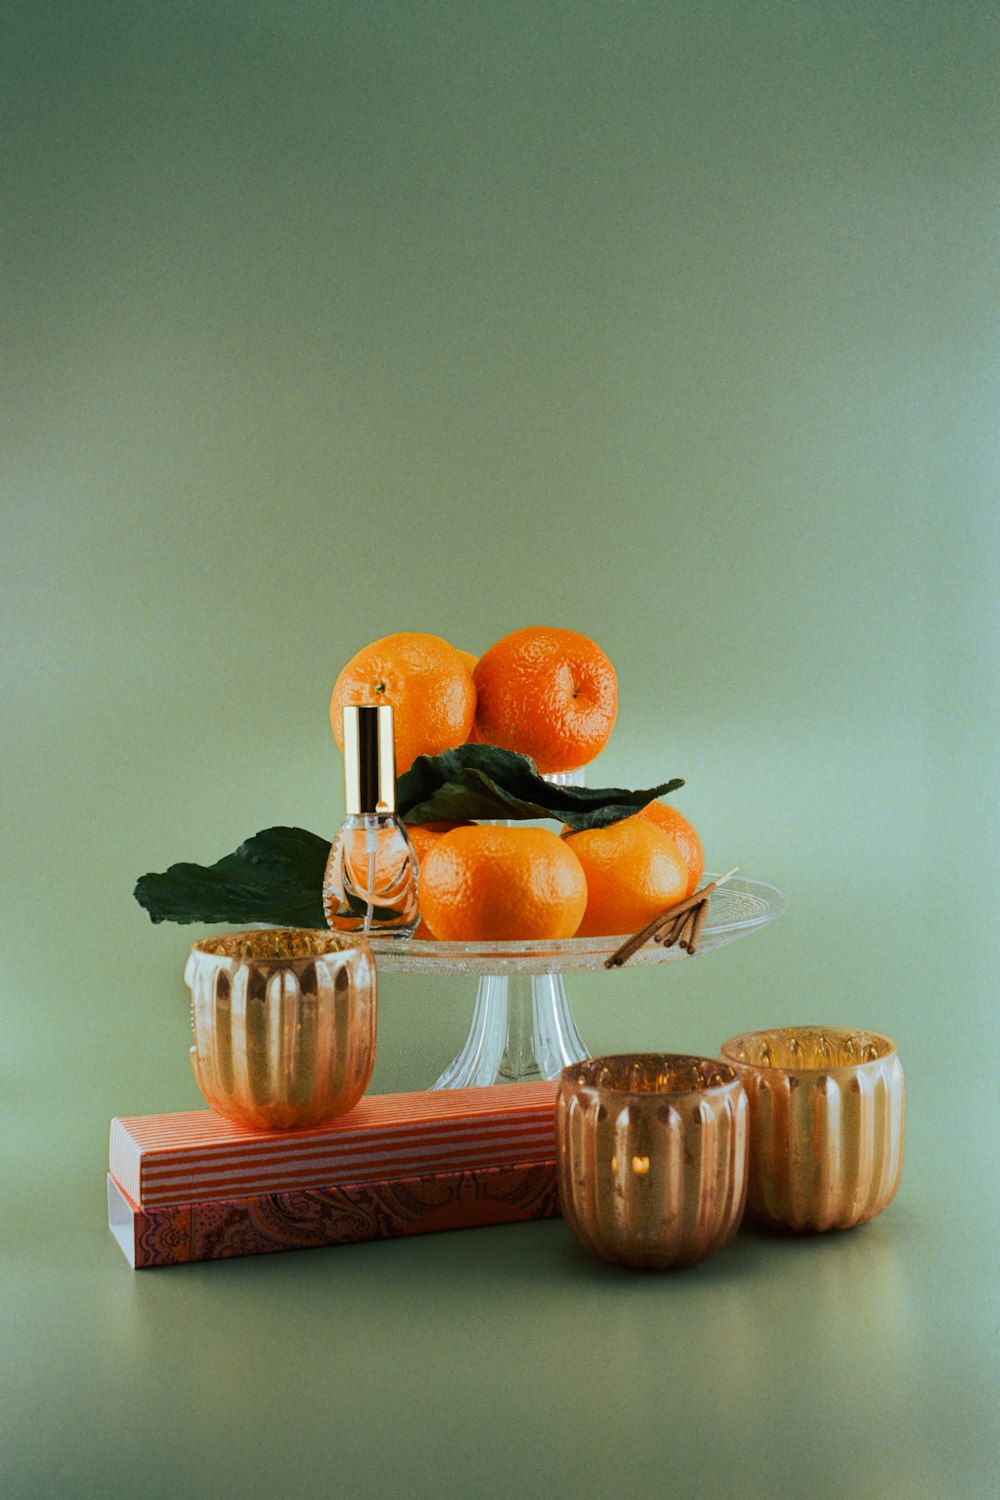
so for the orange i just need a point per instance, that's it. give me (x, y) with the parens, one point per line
(427, 683)
(423, 837)
(483, 883)
(551, 694)
(470, 661)
(634, 871)
(683, 835)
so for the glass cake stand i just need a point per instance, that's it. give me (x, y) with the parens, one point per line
(522, 1025)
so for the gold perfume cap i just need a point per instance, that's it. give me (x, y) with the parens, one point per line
(369, 759)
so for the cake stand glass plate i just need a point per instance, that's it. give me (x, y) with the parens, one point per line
(522, 1025)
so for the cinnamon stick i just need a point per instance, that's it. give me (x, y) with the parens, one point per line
(687, 926)
(698, 923)
(667, 932)
(672, 931)
(661, 928)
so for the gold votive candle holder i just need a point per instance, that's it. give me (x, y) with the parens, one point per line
(826, 1124)
(651, 1152)
(284, 1024)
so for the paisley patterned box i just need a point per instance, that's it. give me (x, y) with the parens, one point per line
(193, 1186)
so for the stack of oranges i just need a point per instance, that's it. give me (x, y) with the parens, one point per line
(550, 694)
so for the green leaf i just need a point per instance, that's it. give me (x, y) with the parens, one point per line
(274, 877)
(482, 781)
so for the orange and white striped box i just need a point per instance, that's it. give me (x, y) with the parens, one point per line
(397, 1164)
(198, 1156)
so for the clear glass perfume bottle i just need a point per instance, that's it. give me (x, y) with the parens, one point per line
(370, 885)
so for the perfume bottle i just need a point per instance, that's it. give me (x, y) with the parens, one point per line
(370, 885)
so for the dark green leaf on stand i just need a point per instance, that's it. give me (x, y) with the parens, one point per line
(484, 782)
(276, 877)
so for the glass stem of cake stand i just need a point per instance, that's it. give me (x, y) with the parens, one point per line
(522, 1026)
(522, 1029)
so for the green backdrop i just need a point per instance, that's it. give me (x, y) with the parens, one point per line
(671, 323)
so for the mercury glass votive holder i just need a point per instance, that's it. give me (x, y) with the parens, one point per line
(284, 1024)
(651, 1153)
(826, 1124)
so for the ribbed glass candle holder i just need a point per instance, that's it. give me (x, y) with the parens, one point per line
(284, 1024)
(652, 1156)
(826, 1124)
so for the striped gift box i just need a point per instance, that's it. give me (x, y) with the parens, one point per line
(199, 1157)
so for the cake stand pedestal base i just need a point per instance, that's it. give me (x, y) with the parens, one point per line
(522, 1029)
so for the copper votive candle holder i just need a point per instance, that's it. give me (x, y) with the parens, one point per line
(651, 1155)
(284, 1024)
(826, 1124)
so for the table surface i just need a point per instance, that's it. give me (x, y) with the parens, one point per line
(505, 1361)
